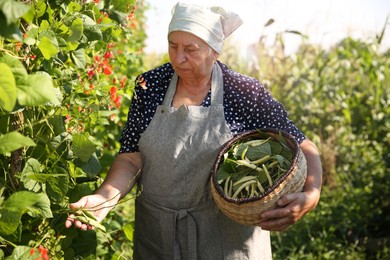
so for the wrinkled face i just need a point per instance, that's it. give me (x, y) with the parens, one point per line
(190, 56)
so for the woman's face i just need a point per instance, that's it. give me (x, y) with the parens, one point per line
(190, 56)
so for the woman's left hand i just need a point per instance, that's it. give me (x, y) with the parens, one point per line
(290, 208)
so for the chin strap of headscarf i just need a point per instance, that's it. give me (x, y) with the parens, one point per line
(211, 24)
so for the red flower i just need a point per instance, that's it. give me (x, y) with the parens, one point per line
(123, 81)
(108, 55)
(118, 101)
(113, 91)
(107, 69)
(32, 251)
(43, 252)
(91, 72)
(18, 46)
(68, 118)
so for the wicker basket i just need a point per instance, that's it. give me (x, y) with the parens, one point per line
(247, 211)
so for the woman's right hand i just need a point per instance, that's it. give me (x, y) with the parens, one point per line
(120, 179)
(96, 204)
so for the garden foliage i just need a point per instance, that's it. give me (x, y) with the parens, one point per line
(66, 76)
(340, 98)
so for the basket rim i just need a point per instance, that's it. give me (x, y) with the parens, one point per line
(248, 134)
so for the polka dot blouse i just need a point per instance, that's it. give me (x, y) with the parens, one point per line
(248, 105)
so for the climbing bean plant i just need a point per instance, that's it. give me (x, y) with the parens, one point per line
(66, 76)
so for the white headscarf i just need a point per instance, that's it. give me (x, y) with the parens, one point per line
(211, 24)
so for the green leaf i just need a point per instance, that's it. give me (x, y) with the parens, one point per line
(83, 148)
(37, 204)
(128, 229)
(32, 166)
(276, 147)
(44, 26)
(57, 187)
(78, 57)
(92, 167)
(76, 29)
(13, 141)
(85, 243)
(7, 88)
(48, 47)
(15, 65)
(74, 7)
(29, 16)
(36, 89)
(20, 252)
(91, 29)
(43, 177)
(297, 33)
(119, 17)
(59, 142)
(269, 22)
(81, 190)
(40, 8)
(72, 45)
(31, 36)
(222, 174)
(13, 10)
(41, 206)
(9, 31)
(257, 152)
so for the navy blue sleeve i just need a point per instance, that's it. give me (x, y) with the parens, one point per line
(149, 92)
(134, 125)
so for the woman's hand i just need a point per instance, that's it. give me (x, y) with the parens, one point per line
(290, 208)
(120, 179)
(96, 205)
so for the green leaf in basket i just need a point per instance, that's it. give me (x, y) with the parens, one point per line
(287, 153)
(222, 174)
(238, 149)
(276, 147)
(257, 152)
(227, 167)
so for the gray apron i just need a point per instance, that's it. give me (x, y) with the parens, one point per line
(175, 215)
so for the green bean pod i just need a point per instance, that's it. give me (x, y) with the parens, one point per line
(90, 221)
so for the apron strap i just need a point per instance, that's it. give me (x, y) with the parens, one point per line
(191, 235)
(180, 214)
(216, 87)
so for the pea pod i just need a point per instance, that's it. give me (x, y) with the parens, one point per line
(90, 221)
(261, 160)
(267, 174)
(242, 187)
(228, 186)
(244, 179)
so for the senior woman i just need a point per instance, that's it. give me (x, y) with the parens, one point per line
(181, 115)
